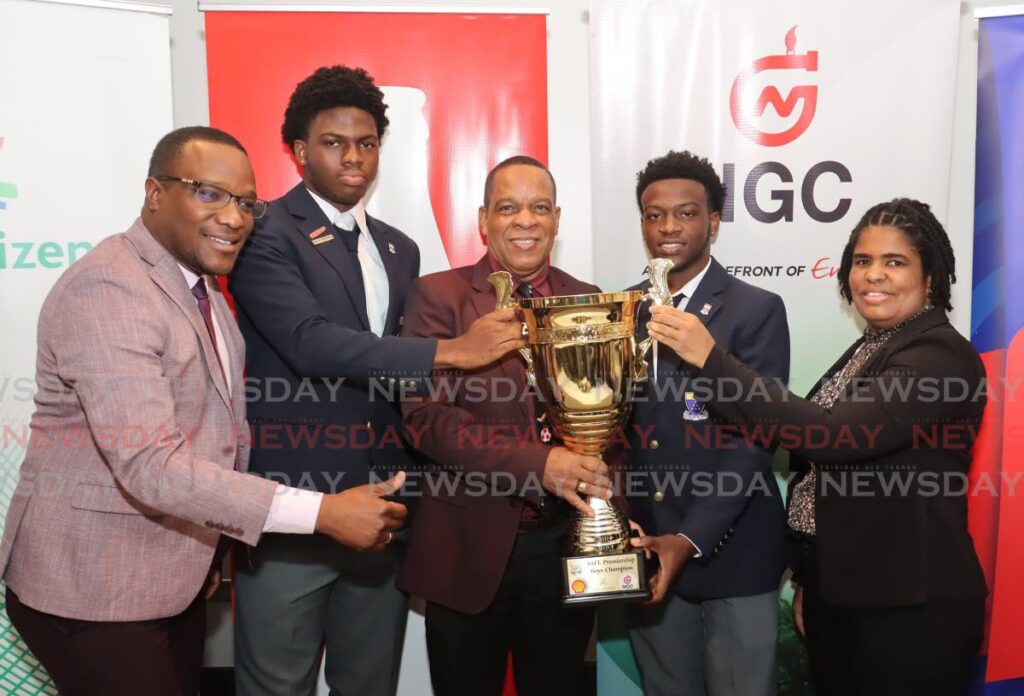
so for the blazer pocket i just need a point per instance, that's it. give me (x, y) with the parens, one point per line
(98, 497)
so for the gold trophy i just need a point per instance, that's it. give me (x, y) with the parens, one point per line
(583, 358)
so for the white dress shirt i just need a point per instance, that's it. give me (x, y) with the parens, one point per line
(293, 510)
(375, 276)
(691, 287)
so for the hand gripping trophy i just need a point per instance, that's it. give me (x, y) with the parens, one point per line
(583, 358)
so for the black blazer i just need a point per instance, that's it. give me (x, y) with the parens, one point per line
(889, 532)
(725, 499)
(318, 381)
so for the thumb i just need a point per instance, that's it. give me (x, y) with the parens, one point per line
(385, 488)
(643, 542)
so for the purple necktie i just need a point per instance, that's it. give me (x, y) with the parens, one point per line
(203, 299)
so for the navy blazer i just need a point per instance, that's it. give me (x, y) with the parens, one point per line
(321, 388)
(692, 478)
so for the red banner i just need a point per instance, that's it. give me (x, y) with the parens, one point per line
(483, 78)
(464, 92)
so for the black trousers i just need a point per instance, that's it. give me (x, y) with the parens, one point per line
(548, 641)
(922, 650)
(161, 657)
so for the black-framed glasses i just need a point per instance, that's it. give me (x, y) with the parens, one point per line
(215, 198)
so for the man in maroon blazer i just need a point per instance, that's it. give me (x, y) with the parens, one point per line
(486, 541)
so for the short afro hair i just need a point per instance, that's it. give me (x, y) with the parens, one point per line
(329, 88)
(683, 165)
(167, 151)
(926, 234)
(525, 160)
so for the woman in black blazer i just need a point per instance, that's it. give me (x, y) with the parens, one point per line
(890, 590)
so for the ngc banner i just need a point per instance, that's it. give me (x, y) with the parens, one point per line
(807, 126)
(811, 113)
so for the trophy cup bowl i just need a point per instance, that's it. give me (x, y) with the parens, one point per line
(583, 359)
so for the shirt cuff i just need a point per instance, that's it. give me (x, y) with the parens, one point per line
(697, 548)
(293, 511)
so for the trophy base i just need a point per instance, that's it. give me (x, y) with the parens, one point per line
(604, 578)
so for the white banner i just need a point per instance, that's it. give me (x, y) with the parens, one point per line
(85, 93)
(811, 113)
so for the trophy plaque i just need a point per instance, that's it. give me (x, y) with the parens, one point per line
(583, 358)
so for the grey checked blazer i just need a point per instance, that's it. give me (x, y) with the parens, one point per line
(129, 477)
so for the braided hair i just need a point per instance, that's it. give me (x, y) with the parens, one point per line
(329, 88)
(926, 234)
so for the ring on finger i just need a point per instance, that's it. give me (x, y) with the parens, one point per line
(581, 486)
(387, 540)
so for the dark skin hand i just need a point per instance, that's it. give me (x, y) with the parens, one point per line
(682, 332)
(673, 551)
(360, 517)
(487, 339)
(567, 475)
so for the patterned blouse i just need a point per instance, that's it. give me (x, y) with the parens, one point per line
(801, 505)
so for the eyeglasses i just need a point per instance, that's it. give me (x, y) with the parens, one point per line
(215, 198)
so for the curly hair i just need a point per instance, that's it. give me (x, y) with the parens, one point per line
(926, 234)
(329, 88)
(683, 165)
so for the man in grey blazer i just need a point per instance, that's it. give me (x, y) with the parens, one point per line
(140, 435)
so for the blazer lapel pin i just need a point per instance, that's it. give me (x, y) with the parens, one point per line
(391, 247)
(706, 309)
(317, 236)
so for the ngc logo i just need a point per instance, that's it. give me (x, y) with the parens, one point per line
(748, 114)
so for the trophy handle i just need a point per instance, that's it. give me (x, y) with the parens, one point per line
(658, 293)
(501, 281)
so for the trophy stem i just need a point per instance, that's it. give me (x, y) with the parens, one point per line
(606, 532)
(583, 358)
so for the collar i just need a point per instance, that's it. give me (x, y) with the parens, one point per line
(358, 210)
(691, 287)
(880, 336)
(190, 277)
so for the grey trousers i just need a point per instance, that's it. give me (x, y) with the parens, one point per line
(718, 647)
(304, 592)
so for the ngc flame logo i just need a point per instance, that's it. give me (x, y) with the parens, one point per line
(746, 118)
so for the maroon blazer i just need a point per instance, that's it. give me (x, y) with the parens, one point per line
(463, 530)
